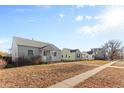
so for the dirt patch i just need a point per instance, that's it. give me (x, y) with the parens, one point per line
(108, 78)
(40, 75)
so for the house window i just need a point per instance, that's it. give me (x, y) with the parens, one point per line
(62, 56)
(55, 54)
(45, 53)
(40, 51)
(30, 53)
(66, 55)
(78, 55)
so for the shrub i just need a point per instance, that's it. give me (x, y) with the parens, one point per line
(8, 59)
(21, 61)
(3, 63)
(36, 60)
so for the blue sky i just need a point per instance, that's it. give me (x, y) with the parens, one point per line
(81, 27)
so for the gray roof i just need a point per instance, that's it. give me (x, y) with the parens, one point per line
(72, 50)
(32, 43)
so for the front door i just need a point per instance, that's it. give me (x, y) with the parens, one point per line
(47, 55)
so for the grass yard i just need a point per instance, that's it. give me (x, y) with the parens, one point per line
(108, 78)
(38, 76)
(95, 62)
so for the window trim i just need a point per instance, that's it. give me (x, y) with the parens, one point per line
(30, 53)
(54, 54)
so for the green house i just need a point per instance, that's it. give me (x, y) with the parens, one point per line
(71, 54)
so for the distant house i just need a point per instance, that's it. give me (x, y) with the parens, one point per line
(87, 56)
(98, 53)
(71, 54)
(29, 48)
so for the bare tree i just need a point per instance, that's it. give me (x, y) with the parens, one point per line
(104, 51)
(112, 49)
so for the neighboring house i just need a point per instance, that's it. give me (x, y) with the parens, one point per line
(99, 53)
(71, 54)
(29, 48)
(87, 56)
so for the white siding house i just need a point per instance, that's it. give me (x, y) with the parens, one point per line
(87, 56)
(98, 53)
(28, 48)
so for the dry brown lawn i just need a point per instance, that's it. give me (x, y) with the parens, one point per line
(108, 78)
(95, 62)
(119, 63)
(40, 75)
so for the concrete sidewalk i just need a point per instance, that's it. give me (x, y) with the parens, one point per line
(117, 67)
(71, 82)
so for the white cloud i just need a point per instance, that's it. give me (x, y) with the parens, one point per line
(27, 19)
(79, 18)
(92, 5)
(32, 19)
(96, 17)
(72, 11)
(110, 20)
(88, 17)
(61, 15)
(45, 6)
(2, 41)
(23, 10)
(92, 30)
(4, 44)
(80, 6)
(36, 9)
(113, 17)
